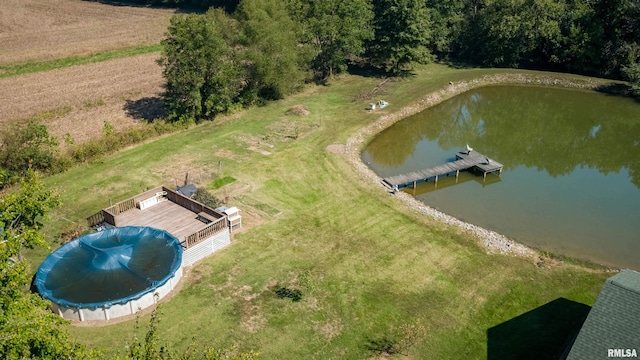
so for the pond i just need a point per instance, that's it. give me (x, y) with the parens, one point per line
(571, 178)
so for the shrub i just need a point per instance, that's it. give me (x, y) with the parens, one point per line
(26, 146)
(206, 198)
(284, 292)
(632, 73)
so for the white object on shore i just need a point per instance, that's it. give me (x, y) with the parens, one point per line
(469, 149)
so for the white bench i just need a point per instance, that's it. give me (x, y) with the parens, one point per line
(158, 197)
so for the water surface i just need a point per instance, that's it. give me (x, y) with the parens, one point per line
(571, 181)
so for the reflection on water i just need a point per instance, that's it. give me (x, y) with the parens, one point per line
(571, 181)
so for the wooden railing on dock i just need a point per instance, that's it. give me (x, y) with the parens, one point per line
(203, 234)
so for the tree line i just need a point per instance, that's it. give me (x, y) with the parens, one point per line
(245, 52)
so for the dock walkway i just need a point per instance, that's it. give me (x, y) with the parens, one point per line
(464, 161)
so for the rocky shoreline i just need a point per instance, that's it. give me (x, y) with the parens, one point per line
(492, 241)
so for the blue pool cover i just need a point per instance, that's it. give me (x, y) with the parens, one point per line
(109, 267)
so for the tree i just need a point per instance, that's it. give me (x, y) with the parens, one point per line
(632, 73)
(203, 74)
(402, 34)
(583, 33)
(24, 146)
(447, 20)
(521, 32)
(621, 34)
(27, 328)
(336, 29)
(270, 38)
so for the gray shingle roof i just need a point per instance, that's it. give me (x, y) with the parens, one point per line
(187, 190)
(614, 320)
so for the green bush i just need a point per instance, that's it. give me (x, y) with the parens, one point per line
(632, 73)
(284, 292)
(112, 140)
(26, 146)
(205, 197)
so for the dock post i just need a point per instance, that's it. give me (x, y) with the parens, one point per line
(436, 179)
(484, 177)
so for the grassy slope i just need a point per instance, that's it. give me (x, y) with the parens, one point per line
(364, 263)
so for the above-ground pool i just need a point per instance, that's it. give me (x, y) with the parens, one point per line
(111, 273)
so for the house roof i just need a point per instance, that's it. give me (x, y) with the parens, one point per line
(614, 320)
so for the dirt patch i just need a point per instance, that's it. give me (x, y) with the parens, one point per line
(256, 143)
(287, 130)
(336, 148)
(328, 330)
(225, 153)
(252, 318)
(258, 150)
(36, 30)
(298, 110)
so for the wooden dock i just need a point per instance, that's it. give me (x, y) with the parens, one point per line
(464, 161)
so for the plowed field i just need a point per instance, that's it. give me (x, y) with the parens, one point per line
(36, 30)
(119, 91)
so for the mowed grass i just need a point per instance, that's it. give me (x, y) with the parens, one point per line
(366, 265)
(39, 66)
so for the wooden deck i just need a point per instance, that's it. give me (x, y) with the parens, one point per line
(162, 208)
(165, 215)
(464, 161)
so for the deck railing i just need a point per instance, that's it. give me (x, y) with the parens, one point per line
(190, 204)
(121, 207)
(109, 217)
(205, 233)
(109, 214)
(219, 224)
(95, 219)
(147, 194)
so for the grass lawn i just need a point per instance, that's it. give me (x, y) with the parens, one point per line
(371, 271)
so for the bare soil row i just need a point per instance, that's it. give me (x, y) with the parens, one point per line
(37, 30)
(120, 91)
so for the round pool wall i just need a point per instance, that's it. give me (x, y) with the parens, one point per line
(110, 273)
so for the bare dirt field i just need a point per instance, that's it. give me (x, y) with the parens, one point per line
(120, 91)
(36, 30)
